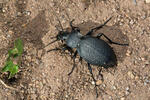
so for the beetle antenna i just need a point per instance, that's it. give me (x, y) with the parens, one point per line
(53, 37)
(51, 43)
(57, 18)
(60, 23)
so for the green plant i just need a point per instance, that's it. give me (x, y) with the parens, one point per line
(14, 53)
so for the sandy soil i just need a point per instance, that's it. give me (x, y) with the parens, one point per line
(43, 76)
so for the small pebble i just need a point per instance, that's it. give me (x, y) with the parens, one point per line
(28, 58)
(130, 74)
(40, 53)
(122, 98)
(3, 10)
(127, 90)
(136, 78)
(93, 82)
(66, 96)
(27, 13)
(147, 62)
(10, 32)
(52, 94)
(19, 14)
(147, 1)
(143, 59)
(128, 53)
(114, 87)
(131, 22)
(99, 82)
(20, 2)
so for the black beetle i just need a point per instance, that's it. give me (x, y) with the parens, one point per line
(93, 50)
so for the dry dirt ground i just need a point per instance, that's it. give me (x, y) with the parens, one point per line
(43, 76)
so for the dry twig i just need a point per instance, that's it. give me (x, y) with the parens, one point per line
(6, 86)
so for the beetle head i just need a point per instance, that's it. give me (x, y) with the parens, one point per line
(62, 35)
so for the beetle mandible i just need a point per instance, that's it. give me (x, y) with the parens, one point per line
(93, 50)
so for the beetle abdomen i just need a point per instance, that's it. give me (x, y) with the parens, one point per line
(96, 52)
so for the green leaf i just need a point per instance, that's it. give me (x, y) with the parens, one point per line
(13, 70)
(13, 52)
(10, 67)
(7, 66)
(19, 46)
(16, 51)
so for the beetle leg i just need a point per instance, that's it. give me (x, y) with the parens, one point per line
(90, 69)
(69, 49)
(100, 74)
(55, 49)
(59, 49)
(73, 27)
(96, 28)
(110, 41)
(64, 48)
(80, 60)
(74, 65)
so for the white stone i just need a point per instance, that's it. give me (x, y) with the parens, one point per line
(147, 1)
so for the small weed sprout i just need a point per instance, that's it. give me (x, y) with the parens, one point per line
(14, 53)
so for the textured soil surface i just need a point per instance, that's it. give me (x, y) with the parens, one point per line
(43, 76)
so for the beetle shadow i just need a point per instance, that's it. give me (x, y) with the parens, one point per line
(35, 30)
(112, 32)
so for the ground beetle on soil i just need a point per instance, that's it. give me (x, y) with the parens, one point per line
(93, 50)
